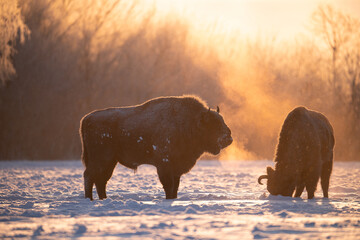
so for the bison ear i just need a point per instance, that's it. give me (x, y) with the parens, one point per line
(270, 171)
(218, 109)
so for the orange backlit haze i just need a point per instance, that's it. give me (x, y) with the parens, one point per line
(230, 22)
(282, 18)
(256, 59)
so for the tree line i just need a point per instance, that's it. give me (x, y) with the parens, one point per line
(62, 59)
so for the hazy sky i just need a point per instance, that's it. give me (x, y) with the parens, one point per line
(281, 17)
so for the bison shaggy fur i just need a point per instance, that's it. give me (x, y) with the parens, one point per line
(304, 154)
(170, 133)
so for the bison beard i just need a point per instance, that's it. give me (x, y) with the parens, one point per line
(170, 133)
(304, 154)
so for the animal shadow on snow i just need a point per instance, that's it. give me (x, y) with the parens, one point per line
(281, 205)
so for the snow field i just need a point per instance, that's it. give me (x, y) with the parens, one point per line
(216, 200)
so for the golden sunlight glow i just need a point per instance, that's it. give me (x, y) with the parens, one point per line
(256, 59)
(282, 18)
(225, 25)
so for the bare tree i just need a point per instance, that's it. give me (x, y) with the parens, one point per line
(12, 29)
(335, 28)
(351, 63)
(341, 33)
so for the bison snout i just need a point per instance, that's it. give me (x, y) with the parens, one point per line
(225, 141)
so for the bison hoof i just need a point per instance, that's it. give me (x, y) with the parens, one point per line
(172, 197)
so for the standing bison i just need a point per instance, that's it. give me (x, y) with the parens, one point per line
(170, 133)
(304, 154)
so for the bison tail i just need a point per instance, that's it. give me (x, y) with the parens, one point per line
(84, 156)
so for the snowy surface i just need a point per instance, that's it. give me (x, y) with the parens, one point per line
(217, 200)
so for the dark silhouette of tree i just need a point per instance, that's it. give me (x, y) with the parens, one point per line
(341, 33)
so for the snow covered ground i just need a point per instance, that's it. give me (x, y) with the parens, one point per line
(217, 200)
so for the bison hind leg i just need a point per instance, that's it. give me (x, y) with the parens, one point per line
(88, 185)
(101, 189)
(325, 177)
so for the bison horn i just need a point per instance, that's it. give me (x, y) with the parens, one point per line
(218, 109)
(261, 178)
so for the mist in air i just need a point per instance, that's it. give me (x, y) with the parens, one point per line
(63, 59)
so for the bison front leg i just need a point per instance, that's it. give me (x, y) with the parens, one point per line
(176, 186)
(299, 190)
(311, 183)
(168, 181)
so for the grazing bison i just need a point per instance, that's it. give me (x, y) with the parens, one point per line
(170, 133)
(304, 154)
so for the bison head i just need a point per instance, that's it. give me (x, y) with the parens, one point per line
(215, 133)
(276, 184)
